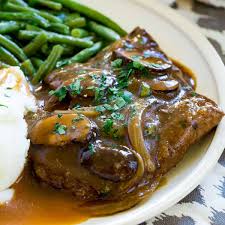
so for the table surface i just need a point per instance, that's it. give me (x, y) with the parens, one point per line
(206, 204)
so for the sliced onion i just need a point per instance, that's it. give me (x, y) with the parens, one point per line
(137, 140)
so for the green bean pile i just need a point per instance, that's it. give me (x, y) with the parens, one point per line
(41, 35)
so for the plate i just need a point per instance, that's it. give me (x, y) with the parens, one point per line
(182, 41)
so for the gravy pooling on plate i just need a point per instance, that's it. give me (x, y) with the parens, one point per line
(112, 127)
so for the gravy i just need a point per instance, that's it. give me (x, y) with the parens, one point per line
(37, 204)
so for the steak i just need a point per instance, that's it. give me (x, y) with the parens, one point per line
(142, 116)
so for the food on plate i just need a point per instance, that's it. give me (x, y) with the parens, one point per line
(103, 114)
(116, 124)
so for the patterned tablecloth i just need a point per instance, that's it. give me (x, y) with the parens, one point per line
(206, 204)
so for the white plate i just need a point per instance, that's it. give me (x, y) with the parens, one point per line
(183, 41)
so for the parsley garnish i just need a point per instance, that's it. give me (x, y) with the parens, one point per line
(117, 63)
(60, 129)
(193, 94)
(77, 119)
(75, 88)
(117, 116)
(91, 148)
(108, 125)
(60, 93)
(59, 115)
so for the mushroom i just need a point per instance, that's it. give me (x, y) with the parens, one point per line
(115, 163)
(61, 129)
(164, 85)
(155, 61)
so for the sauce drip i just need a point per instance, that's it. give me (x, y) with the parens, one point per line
(37, 204)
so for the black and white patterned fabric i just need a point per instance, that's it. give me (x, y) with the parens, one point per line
(206, 204)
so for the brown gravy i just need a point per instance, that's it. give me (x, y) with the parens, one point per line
(36, 204)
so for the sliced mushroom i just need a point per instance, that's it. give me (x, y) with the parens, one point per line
(115, 163)
(62, 129)
(155, 61)
(164, 85)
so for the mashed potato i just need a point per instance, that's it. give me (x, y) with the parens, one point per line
(15, 101)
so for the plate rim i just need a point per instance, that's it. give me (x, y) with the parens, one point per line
(211, 57)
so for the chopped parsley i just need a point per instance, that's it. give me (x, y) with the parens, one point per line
(117, 116)
(91, 149)
(117, 63)
(77, 106)
(59, 115)
(108, 125)
(138, 65)
(193, 94)
(100, 108)
(77, 119)
(75, 88)
(120, 103)
(60, 93)
(60, 129)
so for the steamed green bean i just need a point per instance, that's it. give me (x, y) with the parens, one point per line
(105, 32)
(35, 44)
(49, 64)
(36, 62)
(28, 68)
(93, 14)
(47, 3)
(79, 33)
(8, 27)
(7, 57)
(56, 38)
(77, 22)
(19, 2)
(24, 16)
(83, 55)
(13, 7)
(12, 47)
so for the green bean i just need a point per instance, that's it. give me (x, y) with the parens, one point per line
(13, 7)
(68, 50)
(46, 3)
(36, 44)
(19, 2)
(45, 49)
(56, 38)
(7, 57)
(36, 62)
(83, 55)
(25, 16)
(105, 32)
(71, 16)
(79, 33)
(8, 27)
(12, 47)
(33, 28)
(89, 38)
(28, 68)
(59, 28)
(92, 14)
(49, 64)
(77, 22)
(3, 65)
